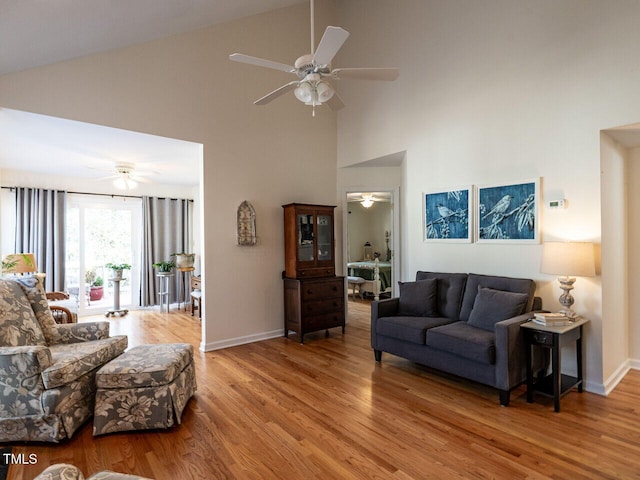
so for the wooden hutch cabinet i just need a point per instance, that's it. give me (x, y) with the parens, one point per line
(313, 294)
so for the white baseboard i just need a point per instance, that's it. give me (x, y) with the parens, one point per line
(614, 379)
(233, 342)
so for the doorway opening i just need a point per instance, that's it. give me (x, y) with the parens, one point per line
(371, 242)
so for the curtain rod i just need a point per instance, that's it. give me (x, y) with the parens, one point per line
(112, 195)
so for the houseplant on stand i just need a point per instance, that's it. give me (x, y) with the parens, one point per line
(165, 267)
(184, 260)
(118, 268)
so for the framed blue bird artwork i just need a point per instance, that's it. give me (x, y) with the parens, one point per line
(447, 215)
(508, 213)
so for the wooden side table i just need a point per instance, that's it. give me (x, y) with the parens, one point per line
(556, 384)
(185, 273)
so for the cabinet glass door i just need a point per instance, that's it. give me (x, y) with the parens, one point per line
(325, 235)
(305, 238)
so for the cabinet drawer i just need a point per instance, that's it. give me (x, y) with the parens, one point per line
(542, 338)
(321, 322)
(315, 272)
(322, 290)
(328, 305)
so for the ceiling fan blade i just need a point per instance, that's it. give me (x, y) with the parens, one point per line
(276, 93)
(335, 102)
(388, 74)
(332, 40)
(261, 62)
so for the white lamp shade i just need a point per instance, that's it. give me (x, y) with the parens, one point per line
(568, 259)
(325, 92)
(304, 92)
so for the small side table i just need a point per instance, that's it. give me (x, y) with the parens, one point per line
(163, 288)
(556, 384)
(116, 299)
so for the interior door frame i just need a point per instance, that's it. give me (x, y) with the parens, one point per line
(394, 190)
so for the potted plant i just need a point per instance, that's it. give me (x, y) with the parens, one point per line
(96, 285)
(165, 267)
(118, 269)
(184, 260)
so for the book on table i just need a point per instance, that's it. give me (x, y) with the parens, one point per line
(554, 319)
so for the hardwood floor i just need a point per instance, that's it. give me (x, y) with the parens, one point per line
(281, 410)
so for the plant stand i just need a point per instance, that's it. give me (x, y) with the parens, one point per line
(185, 274)
(117, 311)
(163, 288)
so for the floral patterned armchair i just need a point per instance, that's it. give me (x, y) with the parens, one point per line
(64, 471)
(47, 370)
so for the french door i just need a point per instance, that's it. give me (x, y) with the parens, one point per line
(102, 230)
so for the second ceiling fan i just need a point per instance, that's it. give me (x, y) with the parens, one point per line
(314, 72)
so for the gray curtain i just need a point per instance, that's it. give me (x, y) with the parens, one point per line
(166, 230)
(40, 229)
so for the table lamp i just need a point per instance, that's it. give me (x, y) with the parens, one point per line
(570, 260)
(19, 263)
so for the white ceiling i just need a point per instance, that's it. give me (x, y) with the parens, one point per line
(55, 146)
(35, 33)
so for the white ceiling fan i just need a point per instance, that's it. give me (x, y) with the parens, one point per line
(367, 199)
(126, 177)
(314, 71)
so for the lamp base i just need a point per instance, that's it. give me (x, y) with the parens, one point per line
(566, 299)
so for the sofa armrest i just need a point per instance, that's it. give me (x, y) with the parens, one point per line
(381, 308)
(80, 332)
(385, 308)
(511, 368)
(20, 380)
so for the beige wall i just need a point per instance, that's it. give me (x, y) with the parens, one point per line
(491, 92)
(368, 225)
(185, 87)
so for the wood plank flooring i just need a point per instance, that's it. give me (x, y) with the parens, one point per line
(281, 410)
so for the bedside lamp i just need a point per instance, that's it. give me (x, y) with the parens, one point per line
(569, 259)
(19, 263)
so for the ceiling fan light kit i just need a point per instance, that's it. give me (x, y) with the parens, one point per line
(314, 71)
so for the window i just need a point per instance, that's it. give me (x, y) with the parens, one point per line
(101, 230)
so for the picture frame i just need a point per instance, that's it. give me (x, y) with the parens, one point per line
(448, 215)
(508, 213)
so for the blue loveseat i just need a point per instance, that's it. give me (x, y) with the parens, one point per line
(464, 324)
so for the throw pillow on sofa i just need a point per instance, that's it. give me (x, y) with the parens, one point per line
(492, 306)
(418, 299)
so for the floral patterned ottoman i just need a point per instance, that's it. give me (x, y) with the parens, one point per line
(146, 387)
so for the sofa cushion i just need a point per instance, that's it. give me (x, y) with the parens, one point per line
(464, 340)
(409, 329)
(71, 361)
(418, 299)
(450, 290)
(493, 306)
(18, 323)
(34, 290)
(506, 284)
